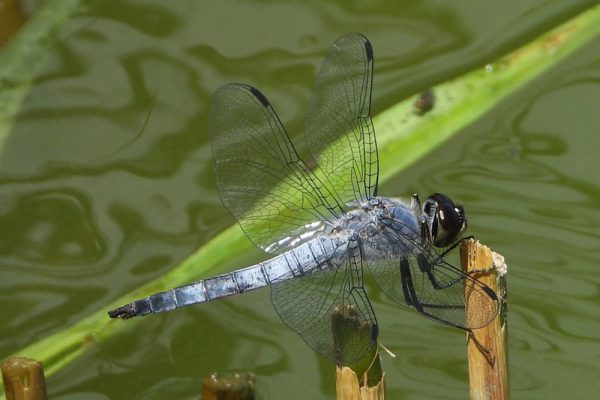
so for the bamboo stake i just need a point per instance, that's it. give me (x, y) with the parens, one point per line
(23, 379)
(349, 387)
(486, 347)
(236, 386)
(362, 379)
(12, 18)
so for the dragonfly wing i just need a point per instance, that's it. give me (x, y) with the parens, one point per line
(330, 309)
(339, 130)
(261, 180)
(412, 273)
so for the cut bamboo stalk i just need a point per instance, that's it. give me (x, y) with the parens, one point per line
(486, 347)
(12, 18)
(362, 379)
(23, 379)
(236, 386)
(349, 387)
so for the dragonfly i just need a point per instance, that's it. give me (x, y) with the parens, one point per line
(327, 226)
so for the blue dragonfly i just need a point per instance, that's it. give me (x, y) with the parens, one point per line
(326, 227)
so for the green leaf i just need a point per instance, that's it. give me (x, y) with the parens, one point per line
(403, 138)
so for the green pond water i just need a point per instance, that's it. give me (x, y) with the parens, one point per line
(107, 182)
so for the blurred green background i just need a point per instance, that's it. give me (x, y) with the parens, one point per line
(106, 181)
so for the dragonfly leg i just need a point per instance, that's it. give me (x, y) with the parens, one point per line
(408, 288)
(485, 352)
(426, 267)
(482, 271)
(412, 299)
(472, 272)
(454, 245)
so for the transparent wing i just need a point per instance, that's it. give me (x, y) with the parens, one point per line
(413, 274)
(330, 309)
(339, 130)
(276, 200)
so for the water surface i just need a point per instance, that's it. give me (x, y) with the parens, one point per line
(106, 183)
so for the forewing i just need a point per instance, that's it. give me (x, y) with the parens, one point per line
(274, 197)
(330, 310)
(413, 274)
(339, 130)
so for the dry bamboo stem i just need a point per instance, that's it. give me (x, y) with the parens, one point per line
(23, 379)
(362, 379)
(236, 386)
(11, 19)
(349, 387)
(486, 347)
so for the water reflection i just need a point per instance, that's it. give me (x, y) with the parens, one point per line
(54, 227)
(106, 182)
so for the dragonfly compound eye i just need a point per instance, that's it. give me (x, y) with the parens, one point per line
(448, 220)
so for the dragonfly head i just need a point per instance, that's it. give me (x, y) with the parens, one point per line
(446, 220)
